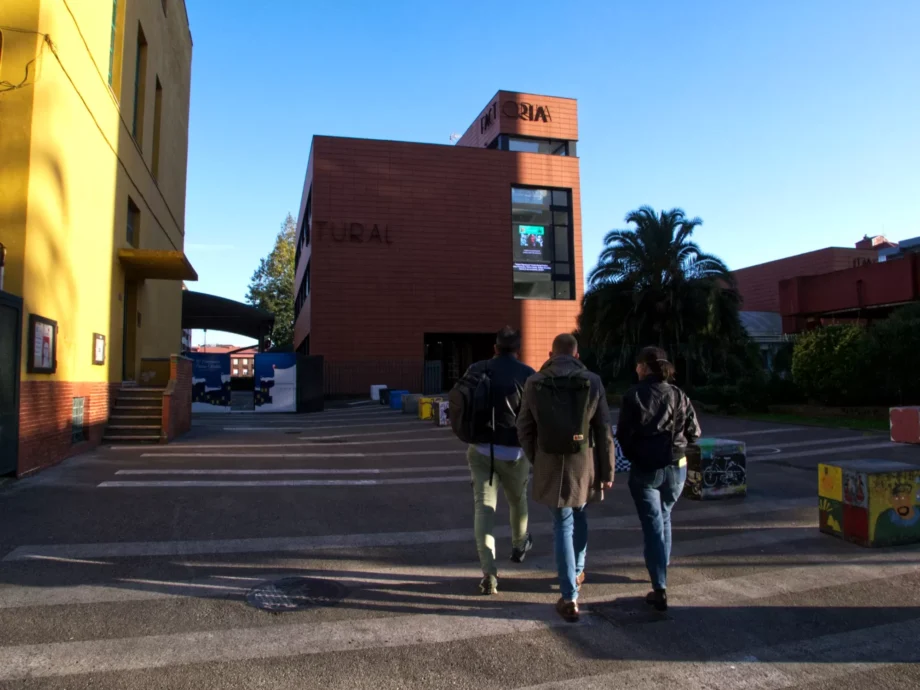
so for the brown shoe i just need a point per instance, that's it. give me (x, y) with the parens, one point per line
(568, 610)
(579, 581)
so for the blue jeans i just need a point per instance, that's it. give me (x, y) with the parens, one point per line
(655, 494)
(570, 528)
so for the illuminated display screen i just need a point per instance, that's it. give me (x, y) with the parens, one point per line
(542, 239)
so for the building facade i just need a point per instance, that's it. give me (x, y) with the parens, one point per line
(410, 253)
(94, 104)
(242, 358)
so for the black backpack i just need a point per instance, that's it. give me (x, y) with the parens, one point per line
(562, 410)
(470, 406)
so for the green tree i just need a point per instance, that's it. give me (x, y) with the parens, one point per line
(272, 285)
(653, 284)
(828, 364)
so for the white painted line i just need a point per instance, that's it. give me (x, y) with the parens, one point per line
(349, 425)
(292, 456)
(826, 451)
(448, 439)
(261, 484)
(819, 442)
(298, 471)
(757, 432)
(268, 642)
(686, 512)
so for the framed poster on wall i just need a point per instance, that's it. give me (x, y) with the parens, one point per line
(98, 348)
(42, 345)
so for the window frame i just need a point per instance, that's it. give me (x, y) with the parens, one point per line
(553, 209)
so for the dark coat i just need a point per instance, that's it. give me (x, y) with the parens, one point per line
(656, 423)
(568, 481)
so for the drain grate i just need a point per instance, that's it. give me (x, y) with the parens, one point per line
(295, 594)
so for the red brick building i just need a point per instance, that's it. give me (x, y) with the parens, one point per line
(413, 252)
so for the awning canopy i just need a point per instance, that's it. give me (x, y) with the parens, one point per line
(213, 313)
(154, 264)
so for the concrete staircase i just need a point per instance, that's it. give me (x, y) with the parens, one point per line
(137, 416)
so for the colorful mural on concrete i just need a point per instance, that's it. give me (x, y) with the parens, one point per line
(716, 468)
(870, 502)
(276, 382)
(210, 382)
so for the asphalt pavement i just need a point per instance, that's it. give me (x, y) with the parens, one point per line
(336, 550)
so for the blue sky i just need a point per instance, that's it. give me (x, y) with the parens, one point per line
(786, 125)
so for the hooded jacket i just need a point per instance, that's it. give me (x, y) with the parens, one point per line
(568, 481)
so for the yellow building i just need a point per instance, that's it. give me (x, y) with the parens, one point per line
(94, 105)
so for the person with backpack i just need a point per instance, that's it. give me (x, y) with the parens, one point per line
(657, 422)
(564, 427)
(483, 407)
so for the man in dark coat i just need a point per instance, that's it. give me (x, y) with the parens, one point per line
(567, 483)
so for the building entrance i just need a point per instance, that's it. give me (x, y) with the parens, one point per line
(10, 338)
(456, 352)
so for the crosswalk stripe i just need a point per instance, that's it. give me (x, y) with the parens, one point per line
(821, 452)
(69, 658)
(343, 425)
(292, 471)
(382, 539)
(816, 442)
(292, 456)
(269, 483)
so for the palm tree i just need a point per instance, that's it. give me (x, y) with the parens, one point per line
(653, 283)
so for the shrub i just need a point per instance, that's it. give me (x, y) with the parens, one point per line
(828, 364)
(892, 360)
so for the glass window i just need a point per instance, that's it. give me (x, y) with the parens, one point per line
(552, 147)
(112, 41)
(236, 361)
(133, 229)
(77, 421)
(541, 243)
(236, 372)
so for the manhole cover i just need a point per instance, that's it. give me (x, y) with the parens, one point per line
(628, 612)
(295, 594)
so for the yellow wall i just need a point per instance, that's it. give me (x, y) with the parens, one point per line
(83, 164)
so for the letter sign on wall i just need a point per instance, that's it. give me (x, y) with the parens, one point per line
(354, 232)
(485, 122)
(526, 111)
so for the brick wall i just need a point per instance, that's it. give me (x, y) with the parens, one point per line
(45, 420)
(177, 400)
(443, 260)
(759, 285)
(504, 115)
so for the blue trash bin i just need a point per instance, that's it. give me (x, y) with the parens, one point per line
(396, 401)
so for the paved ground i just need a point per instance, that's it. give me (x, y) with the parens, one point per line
(129, 568)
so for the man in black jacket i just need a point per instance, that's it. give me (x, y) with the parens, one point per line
(503, 459)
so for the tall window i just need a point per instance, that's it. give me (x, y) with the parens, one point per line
(157, 119)
(112, 42)
(140, 91)
(133, 230)
(303, 292)
(77, 421)
(303, 239)
(542, 239)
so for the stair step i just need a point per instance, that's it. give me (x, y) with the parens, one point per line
(134, 426)
(117, 420)
(139, 404)
(130, 439)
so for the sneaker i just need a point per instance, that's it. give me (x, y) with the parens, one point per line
(517, 555)
(488, 585)
(657, 598)
(579, 581)
(568, 610)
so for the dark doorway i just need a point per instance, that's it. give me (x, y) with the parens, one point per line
(129, 333)
(456, 352)
(10, 338)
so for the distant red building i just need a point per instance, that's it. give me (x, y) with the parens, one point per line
(241, 358)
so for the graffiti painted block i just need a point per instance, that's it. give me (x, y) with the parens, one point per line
(905, 424)
(426, 408)
(621, 464)
(880, 501)
(410, 403)
(396, 399)
(442, 413)
(716, 468)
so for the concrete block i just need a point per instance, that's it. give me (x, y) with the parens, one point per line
(410, 403)
(396, 399)
(426, 408)
(870, 502)
(905, 424)
(441, 415)
(385, 396)
(375, 392)
(716, 468)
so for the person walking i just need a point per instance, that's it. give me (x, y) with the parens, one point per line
(564, 427)
(657, 422)
(483, 408)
